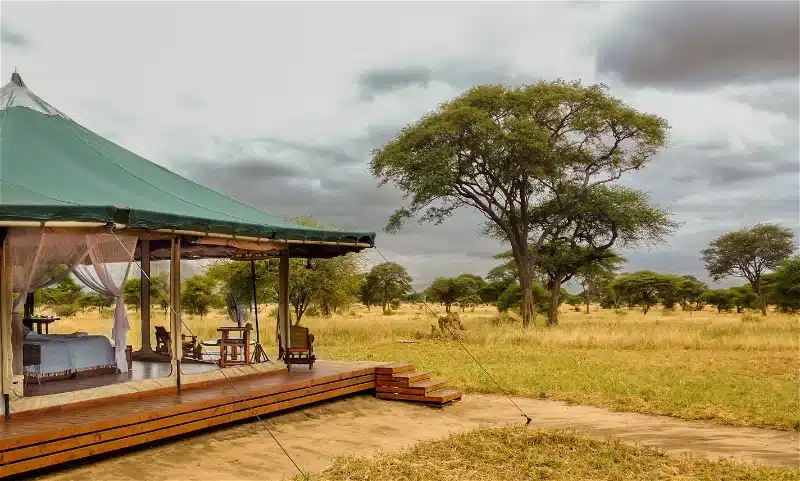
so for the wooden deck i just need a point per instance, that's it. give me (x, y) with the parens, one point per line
(32, 440)
(140, 370)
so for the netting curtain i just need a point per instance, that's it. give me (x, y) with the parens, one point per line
(40, 258)
(109, 263)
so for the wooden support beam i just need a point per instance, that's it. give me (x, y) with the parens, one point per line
(6, 297)
(145, 296)
(283, 299)
(175, 324)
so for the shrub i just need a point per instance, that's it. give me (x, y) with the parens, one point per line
(667, 311)
(66, 310)
(621, 312)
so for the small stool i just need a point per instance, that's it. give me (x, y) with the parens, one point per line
(31, 357)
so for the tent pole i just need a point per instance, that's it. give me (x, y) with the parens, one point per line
(283, 302)
(255, 297)
(258, 353)
(5, 325)
(175, 302)
(145, 297)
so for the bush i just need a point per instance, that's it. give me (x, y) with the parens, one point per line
(667, 311)
(395, 304)
(66, 310)
(620, 312)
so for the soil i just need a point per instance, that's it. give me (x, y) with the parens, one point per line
(362, 425)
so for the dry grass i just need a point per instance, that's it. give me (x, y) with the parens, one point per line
(515, 453)
(700, 365)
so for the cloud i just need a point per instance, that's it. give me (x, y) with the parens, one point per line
(288, 126)
(458, 73)
(9, 36)
(782, 99)
(703, 44)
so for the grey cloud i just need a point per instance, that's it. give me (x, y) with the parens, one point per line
(381, 80)
(460, 73)
(783, 101)
(9, 36)
(703, 44)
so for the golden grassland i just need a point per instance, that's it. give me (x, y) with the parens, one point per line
(701, 365)
(516, 453)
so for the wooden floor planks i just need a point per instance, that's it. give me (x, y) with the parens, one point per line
(36, 441)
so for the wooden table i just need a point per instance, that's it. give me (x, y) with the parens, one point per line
(227, 342)
(40, 321)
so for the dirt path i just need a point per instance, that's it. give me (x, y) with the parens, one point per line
(362, 425)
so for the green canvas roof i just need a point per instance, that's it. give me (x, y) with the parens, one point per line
(54, 169)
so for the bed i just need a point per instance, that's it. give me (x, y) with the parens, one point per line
(65, 355)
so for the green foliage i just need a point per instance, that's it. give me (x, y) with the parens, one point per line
(749, 253)
(336, 282)
(199, 295)
(390, 281)
(65, 291)
(159, 291)
(644, 288)
(95, 300)
(466, 290)
(786, 289)
(415, 297)
(132, 293)
(743, 298)
(236, 279)
(66, 310)
(689, 291)
(511, 298)
(514, 153)
(576, 301)
(719, 298)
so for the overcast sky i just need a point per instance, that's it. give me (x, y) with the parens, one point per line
(280, 104)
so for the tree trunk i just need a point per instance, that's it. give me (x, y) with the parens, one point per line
(555, 294)
(527, 303)
(447, 307)
(761, 301)
(586, 293)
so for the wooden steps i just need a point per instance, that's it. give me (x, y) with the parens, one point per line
(402, 382)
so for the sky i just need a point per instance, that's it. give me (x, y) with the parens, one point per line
(279, 105)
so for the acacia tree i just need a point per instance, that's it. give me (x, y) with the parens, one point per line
(643, 287)
(583, 240)
(199, 295)
(506, 151)
(443, 290)
(391, 282)
(596, 277)
(689, 291)
(786, 290)
(743, 298)
(749, 253)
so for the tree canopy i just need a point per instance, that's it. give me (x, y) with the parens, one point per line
(786, 289)
(390, 282)
(749, 253)
(509, 152)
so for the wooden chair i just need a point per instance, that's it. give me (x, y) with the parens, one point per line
(191, 348)
(301, 348)
(162, 340)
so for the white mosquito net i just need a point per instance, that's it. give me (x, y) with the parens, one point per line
(41, 257)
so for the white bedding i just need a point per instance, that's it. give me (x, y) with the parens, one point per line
(66, 353)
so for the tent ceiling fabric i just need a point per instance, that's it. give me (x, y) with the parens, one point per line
(54, 169)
